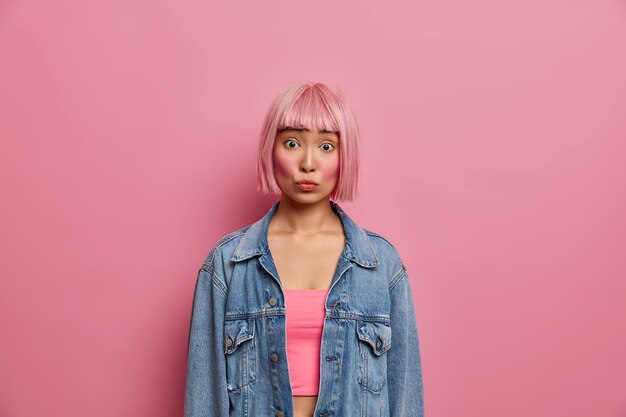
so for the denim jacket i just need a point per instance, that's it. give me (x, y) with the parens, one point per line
(237, 361)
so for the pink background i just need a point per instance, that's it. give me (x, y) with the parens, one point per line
(493, 155)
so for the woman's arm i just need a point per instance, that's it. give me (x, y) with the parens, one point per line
(205, 389)
(404, 366)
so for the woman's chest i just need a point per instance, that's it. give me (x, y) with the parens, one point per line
(256, 290)
(306, 263)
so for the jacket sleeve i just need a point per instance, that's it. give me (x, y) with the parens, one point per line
(404, 366)
(205, 387)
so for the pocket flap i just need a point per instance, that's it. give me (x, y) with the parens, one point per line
(376, 334)
(235, 333)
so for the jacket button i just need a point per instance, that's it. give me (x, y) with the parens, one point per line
(280, 414)
(274, 357)
(229, 341)
(272, 301)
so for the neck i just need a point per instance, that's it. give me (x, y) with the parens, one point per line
(304, 218)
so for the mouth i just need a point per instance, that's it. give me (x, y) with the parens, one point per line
(306, 185)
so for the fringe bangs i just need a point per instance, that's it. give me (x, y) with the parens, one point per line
(309, 111)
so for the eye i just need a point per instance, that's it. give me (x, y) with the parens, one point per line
(329, 144)
(287, 142)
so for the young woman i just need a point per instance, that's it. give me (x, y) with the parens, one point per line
(304, 313)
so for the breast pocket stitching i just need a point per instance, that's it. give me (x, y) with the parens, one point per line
(374, 341)
(239, 348)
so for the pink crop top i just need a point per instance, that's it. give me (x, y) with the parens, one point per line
(305, 322)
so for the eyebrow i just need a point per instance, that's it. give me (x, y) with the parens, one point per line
(300, 129)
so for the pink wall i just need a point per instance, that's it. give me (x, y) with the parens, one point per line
(493, 150)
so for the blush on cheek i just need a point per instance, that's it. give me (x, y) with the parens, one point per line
(281, 163)
(330, 170)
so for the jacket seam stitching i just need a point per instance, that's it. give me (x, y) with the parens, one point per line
(215, 279)
(398, 276)
(281, 312)
(209, 264)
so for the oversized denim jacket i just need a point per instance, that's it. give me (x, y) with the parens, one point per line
(369, 360)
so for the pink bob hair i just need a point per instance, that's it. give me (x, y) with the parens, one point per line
(311, 106)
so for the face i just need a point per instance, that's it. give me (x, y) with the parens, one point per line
(301, 154)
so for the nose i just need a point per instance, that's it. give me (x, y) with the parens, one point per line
(308, 161)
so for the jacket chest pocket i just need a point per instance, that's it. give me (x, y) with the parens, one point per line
(374, 340)
(239, 348)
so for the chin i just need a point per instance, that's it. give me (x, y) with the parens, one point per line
(306, 198)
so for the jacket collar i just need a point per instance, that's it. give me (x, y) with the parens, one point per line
(358, 247)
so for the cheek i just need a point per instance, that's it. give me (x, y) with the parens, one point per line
(282, 163)
(330, 168)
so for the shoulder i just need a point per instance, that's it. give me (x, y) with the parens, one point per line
(225, 245)
(381, 243)
(385, 251)
(389, 256)
(378, 239)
